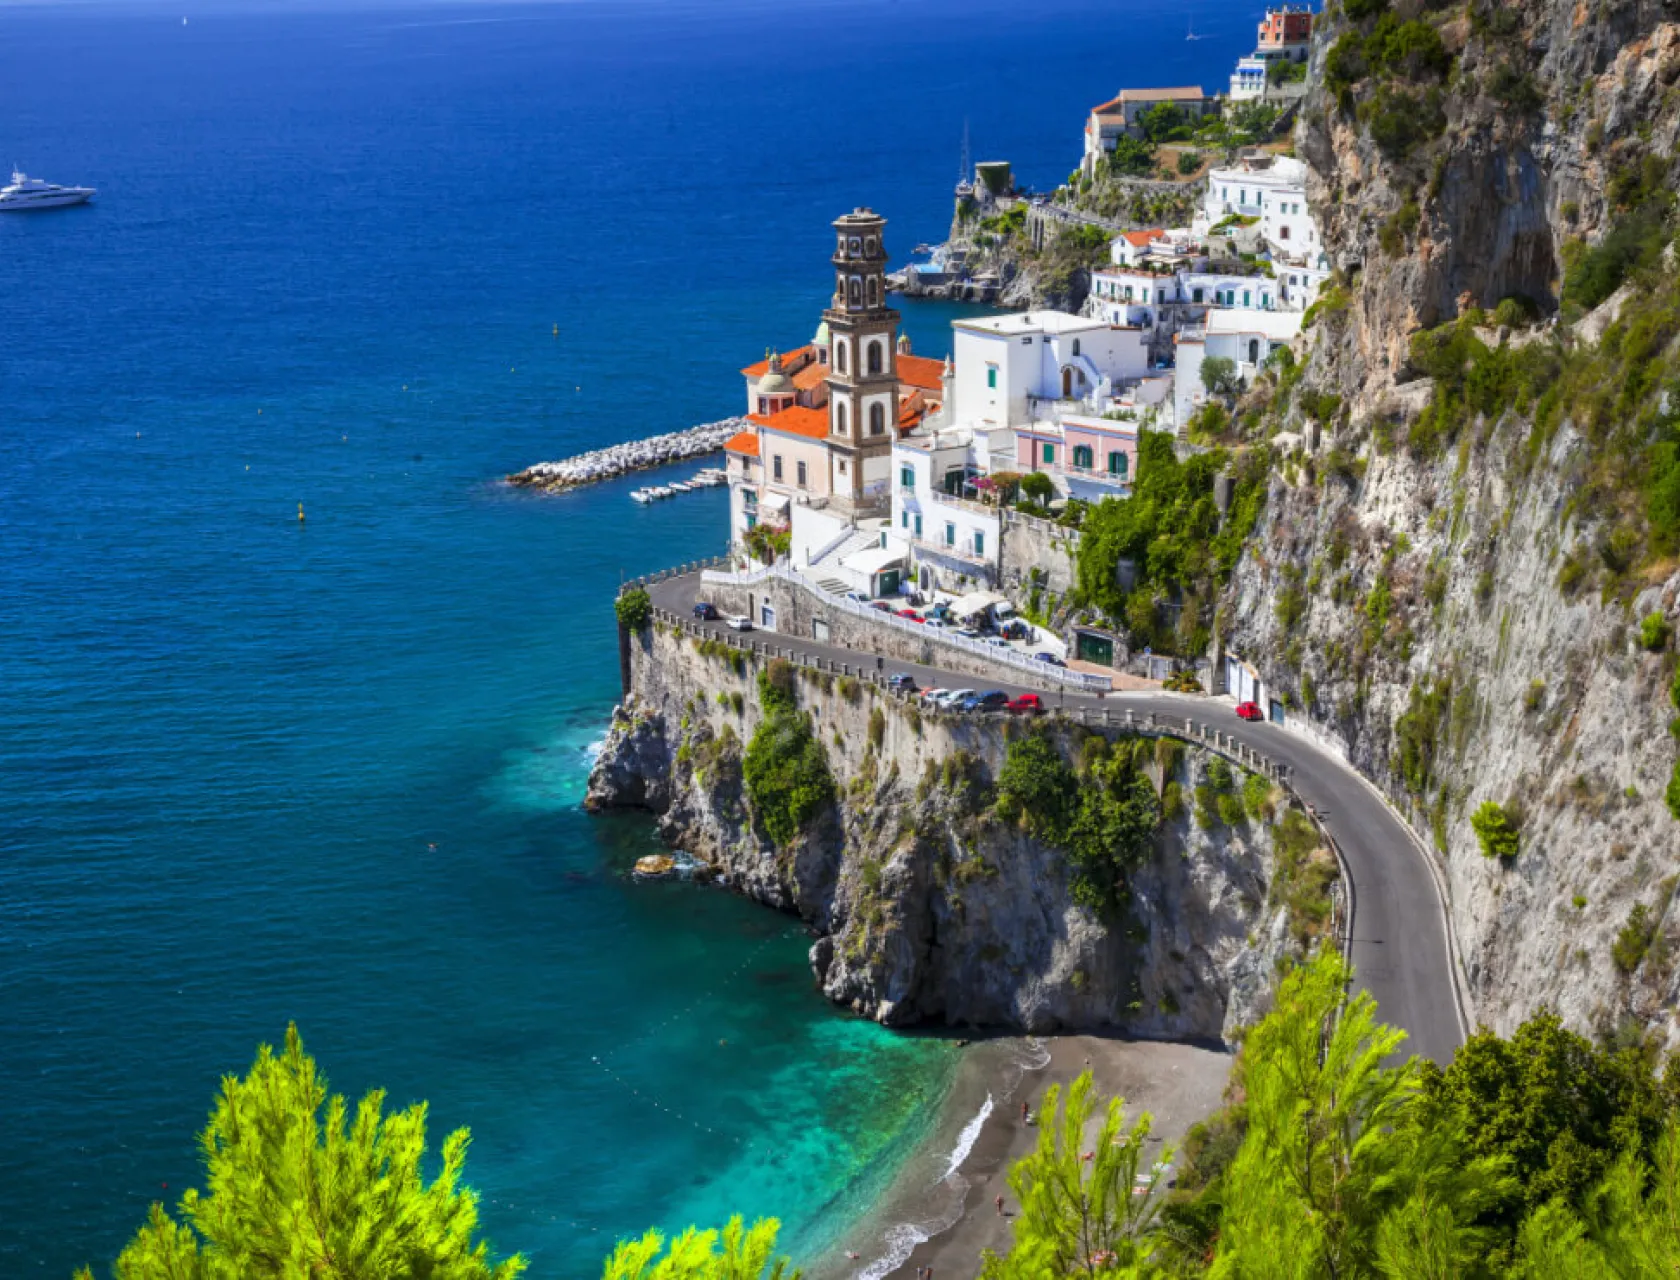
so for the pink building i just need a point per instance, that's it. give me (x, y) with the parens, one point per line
(1088, 457)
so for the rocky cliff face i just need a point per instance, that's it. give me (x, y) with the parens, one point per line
(1461, 613)
(926, 906)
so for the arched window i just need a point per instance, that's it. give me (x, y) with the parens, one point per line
(1254, 351)
(854, 245)
(856, 291)
(841, 247)
(874, 357)
(1082, 456)
(840, 417)
(1118, 463)
(877, 420)
(1076, 346)
(874, 291)
(870, 246)
(840, 357)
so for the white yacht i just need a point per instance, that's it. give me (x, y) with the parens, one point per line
(32, 193)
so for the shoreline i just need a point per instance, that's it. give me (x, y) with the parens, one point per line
(939, 1211)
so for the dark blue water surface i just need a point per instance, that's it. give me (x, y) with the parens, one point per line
(252, 771)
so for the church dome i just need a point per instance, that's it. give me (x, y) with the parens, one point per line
(822, 336)
(775, 382)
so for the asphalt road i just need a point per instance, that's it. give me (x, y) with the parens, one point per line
(1399, 950)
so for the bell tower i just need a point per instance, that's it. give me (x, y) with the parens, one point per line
(862, 365)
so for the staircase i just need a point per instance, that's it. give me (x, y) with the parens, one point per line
(859, 540)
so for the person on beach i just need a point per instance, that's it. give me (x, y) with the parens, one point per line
(1000, 1206)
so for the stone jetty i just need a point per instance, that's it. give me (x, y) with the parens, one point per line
(633, 455)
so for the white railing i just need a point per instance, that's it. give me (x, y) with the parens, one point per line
(933, 635)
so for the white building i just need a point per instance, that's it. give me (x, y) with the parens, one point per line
(954, 540)
(1246, 337)
(1009, 369)
(1272, 190)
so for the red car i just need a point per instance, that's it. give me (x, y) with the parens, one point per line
(912, 615)
(882, 605)
(1025, 703)
(1249, 711)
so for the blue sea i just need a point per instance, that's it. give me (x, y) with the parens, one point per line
(366, 261)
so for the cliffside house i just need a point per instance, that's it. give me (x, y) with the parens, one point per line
(1244, 336)
(1273, 190)
(1285, 35)
(1118, 117)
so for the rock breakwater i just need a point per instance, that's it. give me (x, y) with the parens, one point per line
(632, 455)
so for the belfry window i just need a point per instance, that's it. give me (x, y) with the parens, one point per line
(855, 292)
(877, 420)
(840, 416)
(874, 357)
(840, 356)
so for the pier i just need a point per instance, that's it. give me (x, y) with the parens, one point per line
(633, 455)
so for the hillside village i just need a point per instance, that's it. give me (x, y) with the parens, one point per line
(951, 490)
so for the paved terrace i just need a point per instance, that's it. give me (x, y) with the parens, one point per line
(1398, 935)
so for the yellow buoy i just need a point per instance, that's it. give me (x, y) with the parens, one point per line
(300, 513)
(556, 331)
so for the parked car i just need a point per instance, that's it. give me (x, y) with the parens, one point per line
(706, 612)
(1015, 629)
(997, 642)
(953, 698)
(1051, 658)
(931, 695)
(969, 633)
(995, 700)
(857, 596)
(1026, 704)
(739, 621)
(1250, 711)
(882, 605)
(911, 614)
(940, 611)
(940, 623)
(902, 680)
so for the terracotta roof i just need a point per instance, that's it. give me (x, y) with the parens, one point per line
(743, 442)
(1142, 239)
(1183, 93)
(792, 362)
(920, 371)
(911, 409)
(796, 421)
(811, 376)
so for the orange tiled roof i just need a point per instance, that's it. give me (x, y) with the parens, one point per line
(792, 361)
(1142, 239)
(811, 376)
(922, 372)
(911, 409)
(743, 442)
(796, 421)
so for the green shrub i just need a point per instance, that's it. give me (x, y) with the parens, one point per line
(1495, 830)
(776, 685)
(1516, 89)
(1654, 632)
(1259, 797)
(1037, 486)
(1535, 698)
(1189, 162)
(785, 770)
(634, 609)
(1397, 228)
(1671, 793)
(1633, 939)
(877, 728)
(1635, 241)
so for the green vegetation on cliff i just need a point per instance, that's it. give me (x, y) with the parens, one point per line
(633, 609)
(1103, 814)
(785, 767)
(1177, 548)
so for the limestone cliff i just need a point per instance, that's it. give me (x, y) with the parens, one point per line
(1453, 584)
(925, 904)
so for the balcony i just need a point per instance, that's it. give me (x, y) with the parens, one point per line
(960, 552)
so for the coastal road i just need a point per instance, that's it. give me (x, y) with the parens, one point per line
(1400, 948)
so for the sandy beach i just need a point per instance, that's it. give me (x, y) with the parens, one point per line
(945, 1217)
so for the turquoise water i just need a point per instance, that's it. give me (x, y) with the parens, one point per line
(254, 771)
